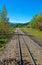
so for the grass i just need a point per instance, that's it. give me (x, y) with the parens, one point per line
(35, 32)
(3, 41)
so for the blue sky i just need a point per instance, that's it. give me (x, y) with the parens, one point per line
(21, 11)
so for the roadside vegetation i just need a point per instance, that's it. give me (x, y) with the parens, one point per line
(34, 27)
(36, 22)
(5, 27)
(34, 32)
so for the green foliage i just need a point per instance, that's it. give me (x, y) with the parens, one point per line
(3, 14)
(5, 27)
(36, 21)
(20, 25)
(2, 40)
(35, 32)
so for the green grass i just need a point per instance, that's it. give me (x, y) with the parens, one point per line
(3, 41)
(35, 32)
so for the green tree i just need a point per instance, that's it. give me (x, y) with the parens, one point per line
(4, 14)
(36, 21)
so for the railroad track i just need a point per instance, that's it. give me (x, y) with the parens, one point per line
(23, 54)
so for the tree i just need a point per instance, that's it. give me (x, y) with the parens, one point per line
(4, 24)
(0, 15)
(4, 14)
(36, 21)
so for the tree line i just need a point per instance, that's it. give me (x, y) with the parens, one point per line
(36, 22)
(5, 26)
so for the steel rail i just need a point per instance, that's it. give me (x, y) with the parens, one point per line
(19, 50)
(32, 58)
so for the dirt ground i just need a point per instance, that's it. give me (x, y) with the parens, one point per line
(11, 49)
